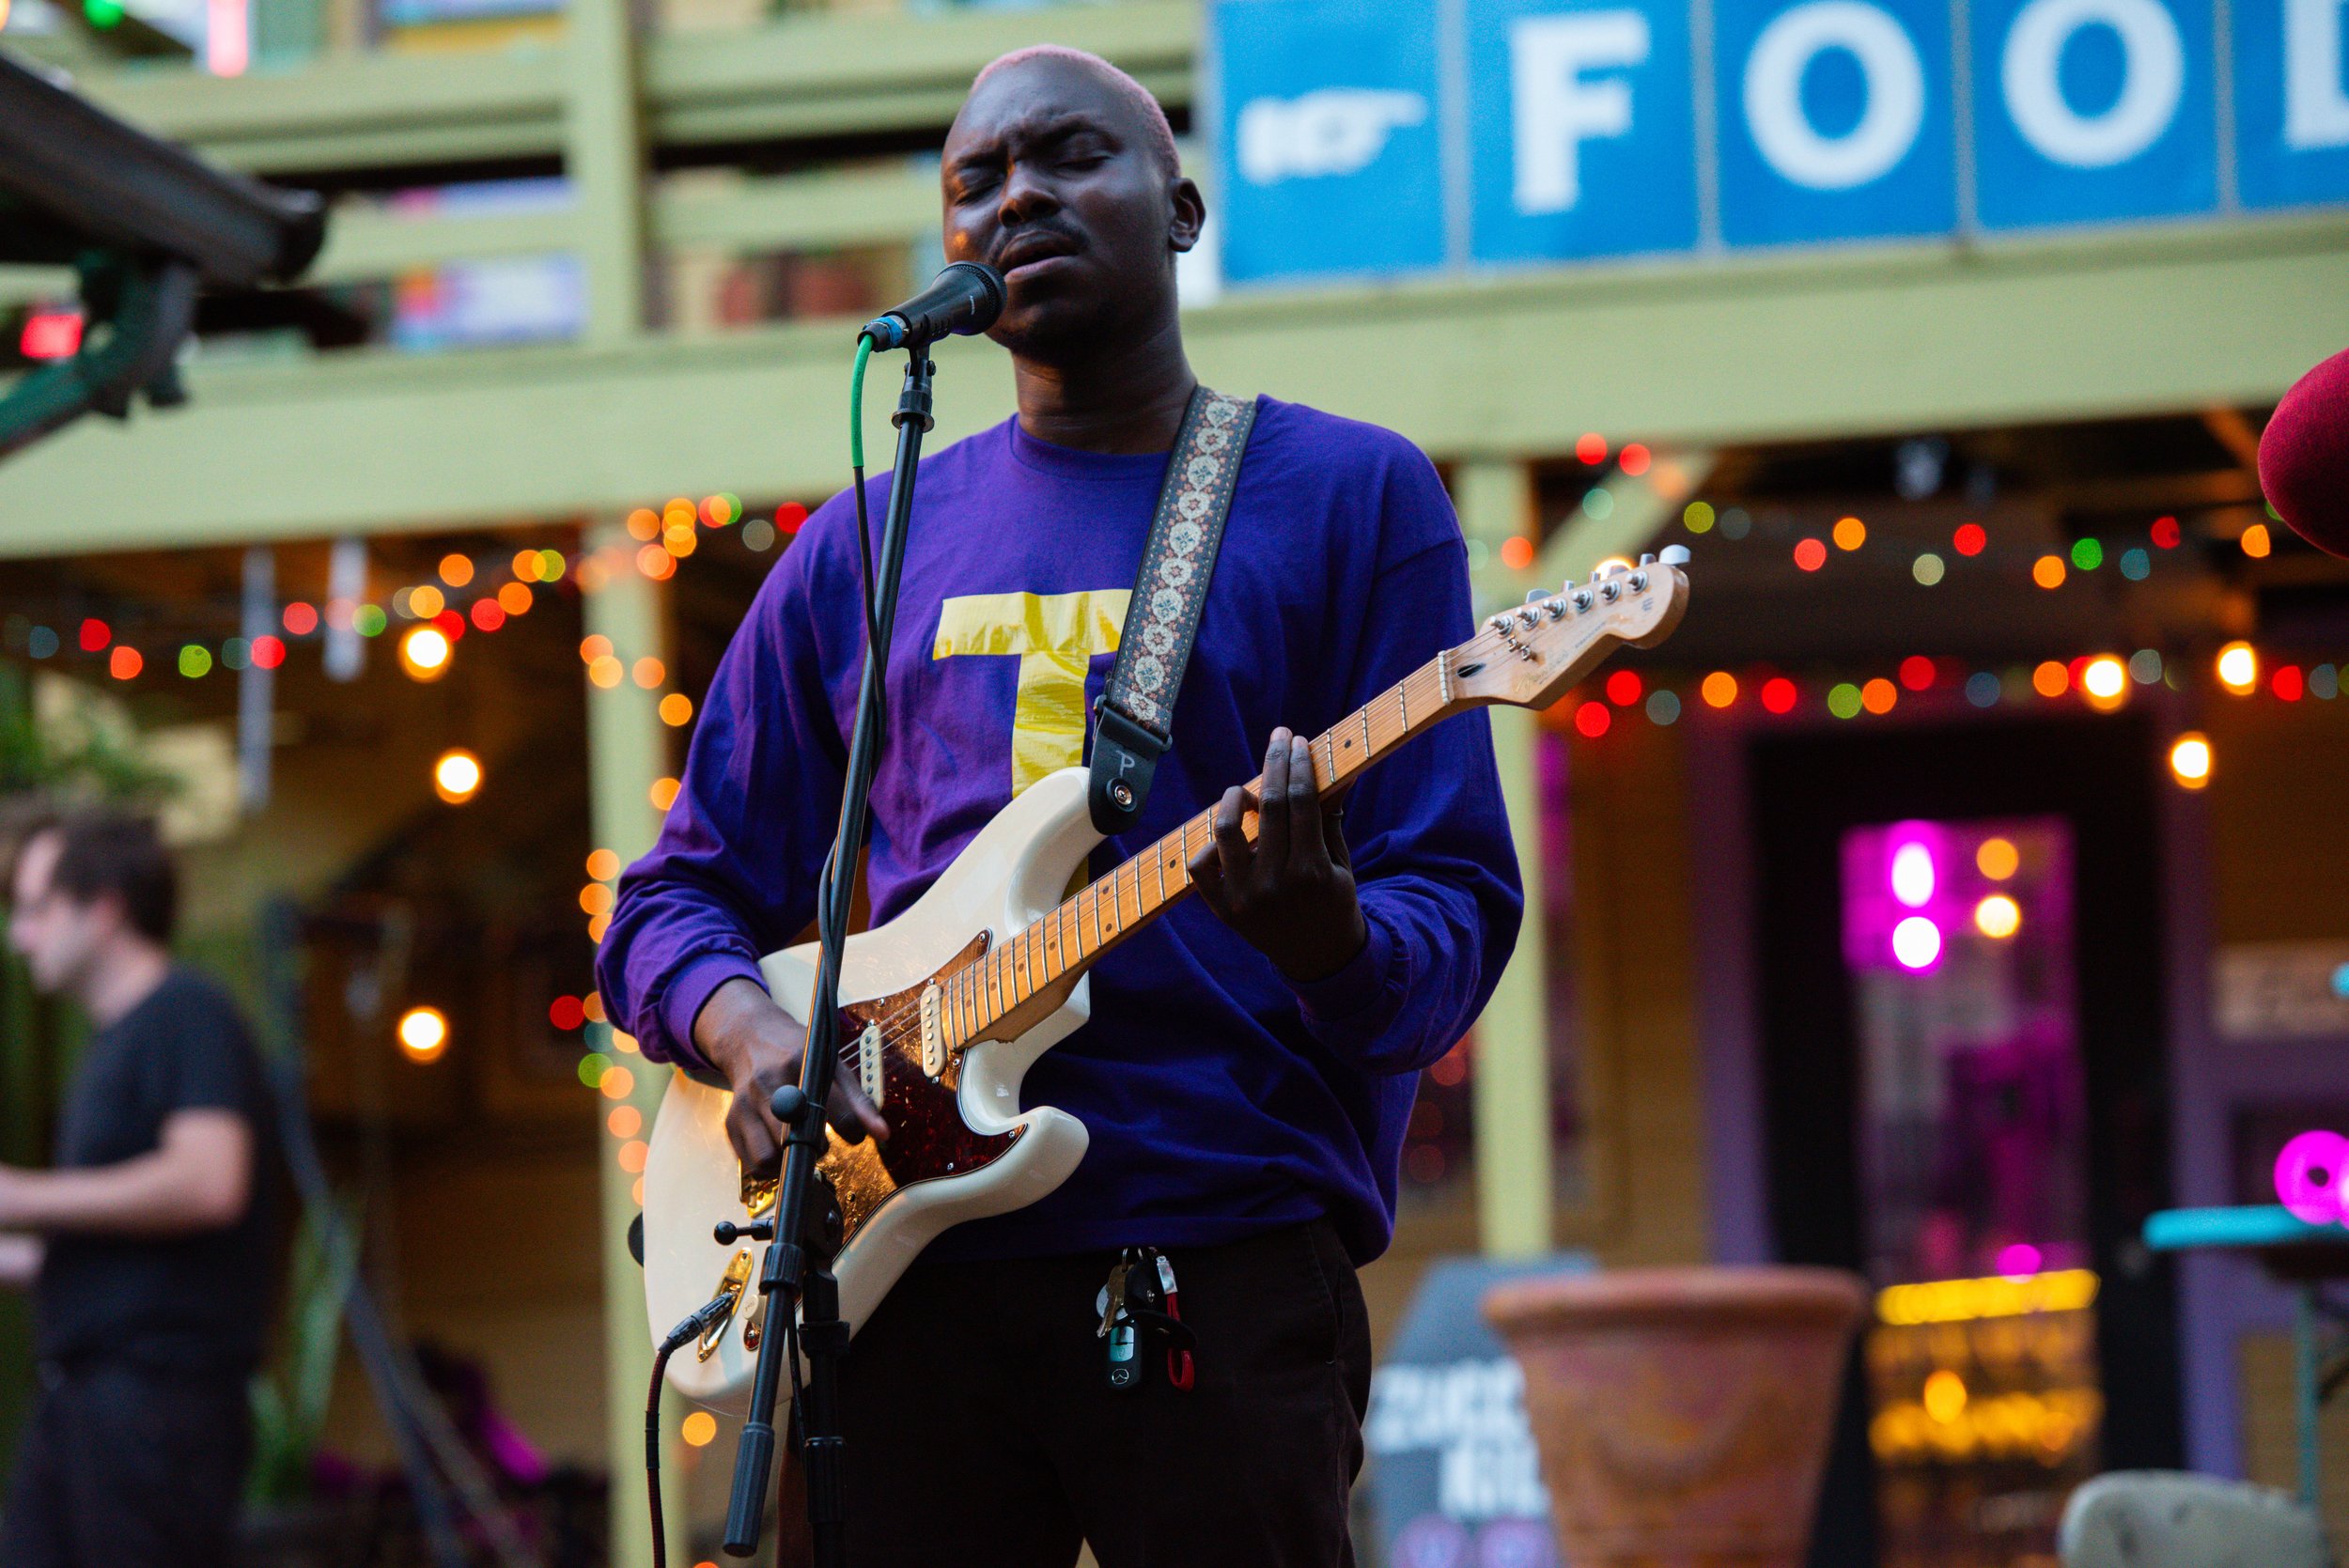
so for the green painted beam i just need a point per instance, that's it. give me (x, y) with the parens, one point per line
(628, 748)
(353, 111)
(815, 76)
(1511, 1125)
(1683, 355)
(603, 150)
(366, 244)
(811, 212)
(799, 76)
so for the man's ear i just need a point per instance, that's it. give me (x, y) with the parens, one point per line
(1190, 213)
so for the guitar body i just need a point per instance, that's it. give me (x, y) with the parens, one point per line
(944, 1009)
(959, 1145)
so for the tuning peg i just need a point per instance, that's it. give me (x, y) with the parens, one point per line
(1535, 596)
(1647, 560)
(1674, 555)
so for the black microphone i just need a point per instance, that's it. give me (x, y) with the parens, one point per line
(964, 298)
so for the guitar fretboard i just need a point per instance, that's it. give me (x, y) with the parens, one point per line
(1105, 912)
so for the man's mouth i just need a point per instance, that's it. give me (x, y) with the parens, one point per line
(1026, 256)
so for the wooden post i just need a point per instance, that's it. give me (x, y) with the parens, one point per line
(627, 752)
(1495, 498)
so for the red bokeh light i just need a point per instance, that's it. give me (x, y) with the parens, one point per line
(268, 652)
(2166, 532)
(96, 635)
(1810, 554)
(1623, 688)
(1634, 459)
(50, 335)
(488, 613)
(789, 516)
(1592, 448)
(2288, 682)
(301, 619)
(452, 625)
(1916, 672)
(1778, 695)
(1971, 538)
(124, 663)
(567, 1013)
(2076, 673)
(1592, 719)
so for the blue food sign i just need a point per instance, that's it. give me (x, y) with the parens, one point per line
(1370, 137)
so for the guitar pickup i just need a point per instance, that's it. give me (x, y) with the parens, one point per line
(868, 1064)
(933, 1031)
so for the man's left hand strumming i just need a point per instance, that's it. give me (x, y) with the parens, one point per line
(1291, 892)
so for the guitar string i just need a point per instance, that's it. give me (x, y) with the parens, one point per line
(904, 1024)
(895, 1027)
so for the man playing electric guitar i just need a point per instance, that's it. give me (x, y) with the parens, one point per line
(1251, 1058)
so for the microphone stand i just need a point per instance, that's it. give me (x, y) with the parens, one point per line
(799, 1289)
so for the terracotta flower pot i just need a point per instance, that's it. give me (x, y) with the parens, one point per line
(1683, 1414)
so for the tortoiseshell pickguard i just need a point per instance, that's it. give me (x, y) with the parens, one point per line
(928, 1137)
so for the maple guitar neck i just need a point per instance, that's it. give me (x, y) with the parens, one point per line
(1049, 953)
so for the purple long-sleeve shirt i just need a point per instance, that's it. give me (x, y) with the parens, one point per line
(1221, 1099)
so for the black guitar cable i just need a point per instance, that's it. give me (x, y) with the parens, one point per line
(690, 1329)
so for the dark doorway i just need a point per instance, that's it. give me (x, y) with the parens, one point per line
(2097, 778)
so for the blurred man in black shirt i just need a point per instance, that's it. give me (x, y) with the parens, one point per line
(147, 1247)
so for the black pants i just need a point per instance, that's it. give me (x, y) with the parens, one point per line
(982, 1429)
(127, 1467)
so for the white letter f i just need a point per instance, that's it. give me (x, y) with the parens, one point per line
(1554, 110)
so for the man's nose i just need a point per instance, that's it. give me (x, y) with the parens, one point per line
(1028, 195)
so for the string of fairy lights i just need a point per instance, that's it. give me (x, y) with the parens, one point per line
(470, 596)
(465, 595)
(2104, 680)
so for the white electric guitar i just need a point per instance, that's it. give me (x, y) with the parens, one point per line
(944, 1009)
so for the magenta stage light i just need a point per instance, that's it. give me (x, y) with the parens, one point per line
(1912, 874)
(2307, 1177)
(1917, 943)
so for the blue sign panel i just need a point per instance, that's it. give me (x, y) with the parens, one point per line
(1329, 151)
(2093, 109)
(1836, 119)
(1369, 137)
(2292, 100)
(1591, 152)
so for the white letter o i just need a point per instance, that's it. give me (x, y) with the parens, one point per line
(1895, 105)
(2152, 79)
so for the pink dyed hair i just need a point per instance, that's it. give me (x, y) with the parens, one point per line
(1156, 131)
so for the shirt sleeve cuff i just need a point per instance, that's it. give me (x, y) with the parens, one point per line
(689, 991)
(1348, 999)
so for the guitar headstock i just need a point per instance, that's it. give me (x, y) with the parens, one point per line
(1530, 656)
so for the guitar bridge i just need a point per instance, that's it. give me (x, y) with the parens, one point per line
(731, 1285)
(868, 1064)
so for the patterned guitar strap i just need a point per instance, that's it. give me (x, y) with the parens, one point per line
(1135, 715)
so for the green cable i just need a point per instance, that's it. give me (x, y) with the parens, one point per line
(856, 405)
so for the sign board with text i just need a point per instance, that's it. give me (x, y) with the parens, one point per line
(1455, 1479)
(1378, 137)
